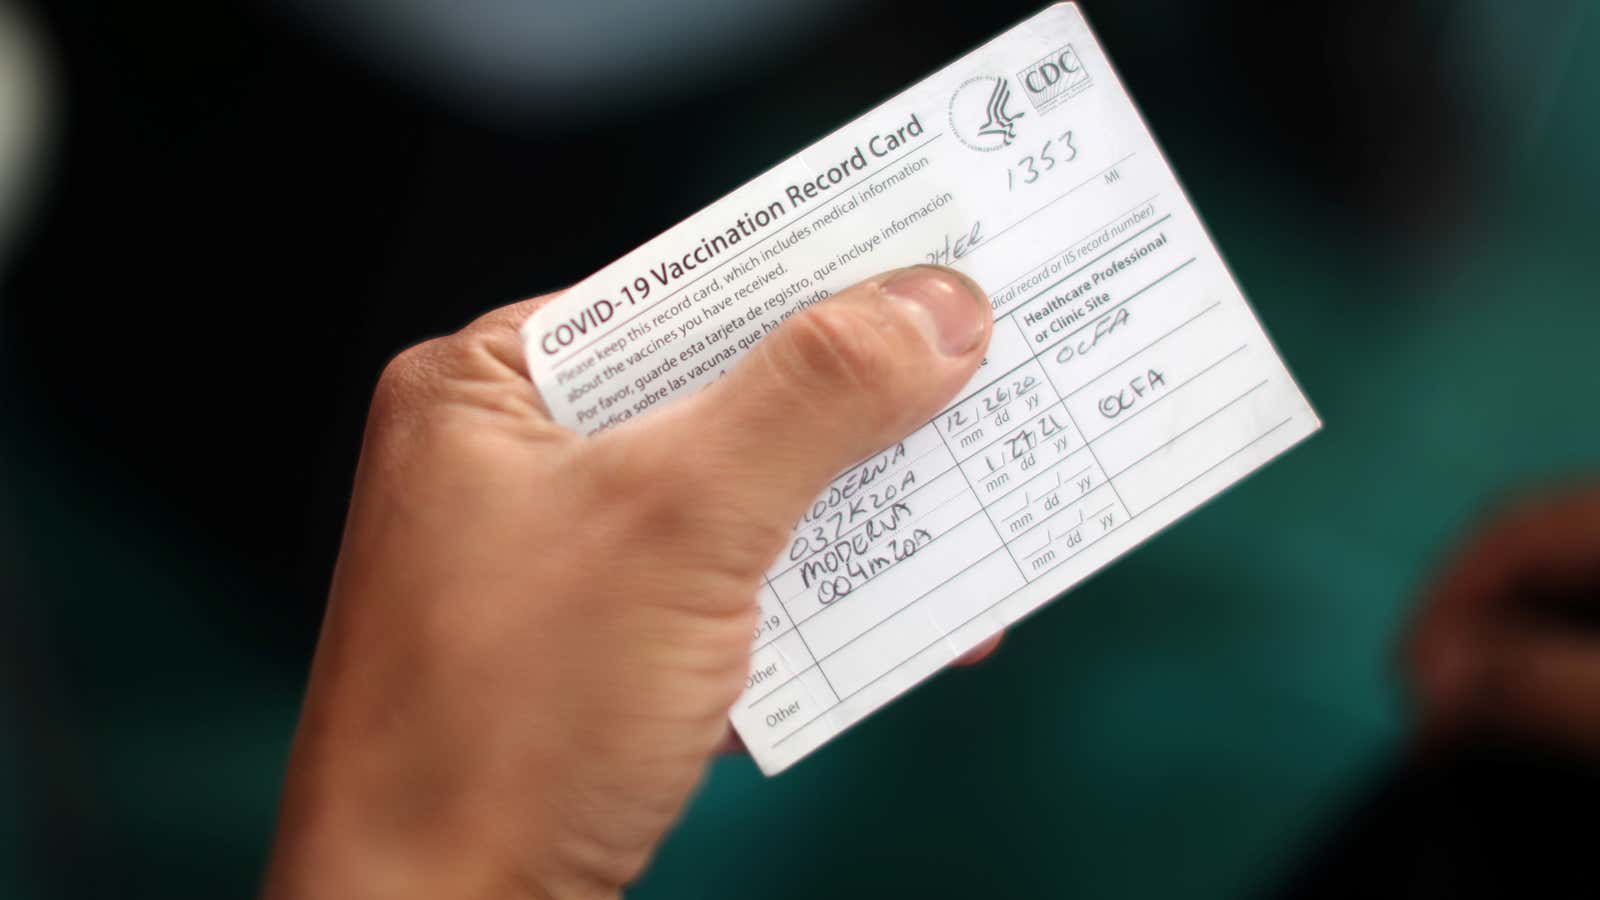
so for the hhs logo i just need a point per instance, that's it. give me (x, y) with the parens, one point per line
(981, 114)
(1053, 79)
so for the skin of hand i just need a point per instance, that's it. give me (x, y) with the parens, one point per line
(533, 639)
(1507, 642)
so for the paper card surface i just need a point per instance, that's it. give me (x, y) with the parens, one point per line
(1127, 381)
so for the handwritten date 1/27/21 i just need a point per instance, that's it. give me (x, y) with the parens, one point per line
(1047, 429)
(1034, 166)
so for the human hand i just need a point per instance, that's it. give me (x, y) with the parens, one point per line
(1508, 640)
(533, 640)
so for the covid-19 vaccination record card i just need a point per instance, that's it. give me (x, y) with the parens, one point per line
(1127, 380)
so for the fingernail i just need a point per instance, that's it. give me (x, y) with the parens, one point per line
(943, 305)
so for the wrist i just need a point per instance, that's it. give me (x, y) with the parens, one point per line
(348, 832)
(341, 841)
(348, 858)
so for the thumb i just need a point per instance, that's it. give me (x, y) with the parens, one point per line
(836, 382)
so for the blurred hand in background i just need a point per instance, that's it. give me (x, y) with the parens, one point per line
(533, 639)
(1508, 643)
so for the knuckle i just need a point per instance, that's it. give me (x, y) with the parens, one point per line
(633, 466)
(412, 386)
(840, 344)
(409, 376)
(645, 480)
(674, 501)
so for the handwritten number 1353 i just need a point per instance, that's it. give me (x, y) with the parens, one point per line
(1029, 168)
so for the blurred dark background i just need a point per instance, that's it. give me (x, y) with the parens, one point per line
(219, 219)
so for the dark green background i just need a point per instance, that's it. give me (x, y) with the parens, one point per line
(1184, 724)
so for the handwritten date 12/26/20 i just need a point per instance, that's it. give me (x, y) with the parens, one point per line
(1035, 166)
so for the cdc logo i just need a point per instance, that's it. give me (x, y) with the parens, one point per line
(1053, 79)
